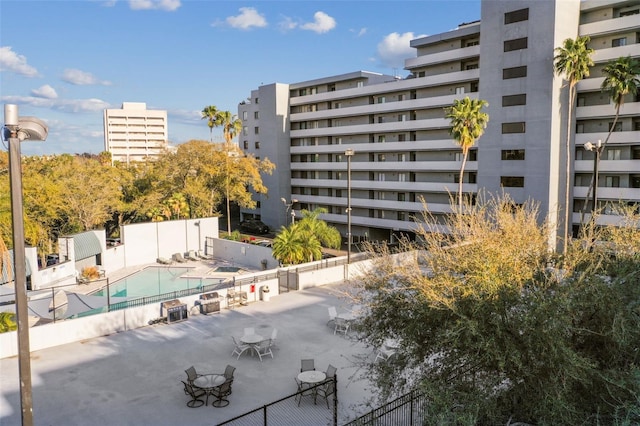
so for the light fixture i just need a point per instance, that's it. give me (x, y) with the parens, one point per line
(289, 209)
(17, 129)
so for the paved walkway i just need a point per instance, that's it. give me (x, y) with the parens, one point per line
(133, 378)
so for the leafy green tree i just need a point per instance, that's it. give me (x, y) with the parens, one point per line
(303, 240)
(467, 126)
(210, 113)
(494, 334)
(572, 60)
(621, 79)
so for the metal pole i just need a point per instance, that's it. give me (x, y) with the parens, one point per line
(20, 279)
(349, 154)
(595, 180)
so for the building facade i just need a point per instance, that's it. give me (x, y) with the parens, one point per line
(404, 160)
(135, 133)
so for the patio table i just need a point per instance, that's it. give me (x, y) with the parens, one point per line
(208, 382)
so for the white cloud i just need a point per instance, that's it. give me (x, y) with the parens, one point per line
(166, 5)
(45, 91)
(82, 78)
(322, 23)
(11, 61)
(360, 32)
(247, 19)
(68, 105)
(287, 24)
(395, 48)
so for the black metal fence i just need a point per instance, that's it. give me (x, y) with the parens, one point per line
(407, 410)
(306, 407)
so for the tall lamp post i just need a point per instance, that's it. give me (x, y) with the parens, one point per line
(19, 129)
(597, 148)
(349, 153)
(289, 208)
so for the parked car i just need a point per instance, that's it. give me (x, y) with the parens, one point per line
(254, 226)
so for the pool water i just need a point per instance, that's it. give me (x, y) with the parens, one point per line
(227, 269)
(152, 281)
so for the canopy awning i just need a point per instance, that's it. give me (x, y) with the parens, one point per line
(86, 245)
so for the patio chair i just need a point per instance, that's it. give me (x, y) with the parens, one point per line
(179, 258)
(221, 392)
(164, 261)
(201, 255)
(307, 365)
(341, 326)
(195, 394)
(325, 390)
(191, 374)
(304, 389)
(331, 371)
(191, 255)
(228, 373)
(264, 348)
(333, 313)
(239, 348)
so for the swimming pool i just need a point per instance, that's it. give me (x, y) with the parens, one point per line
(152, 281)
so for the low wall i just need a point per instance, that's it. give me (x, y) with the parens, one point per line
(243, 253)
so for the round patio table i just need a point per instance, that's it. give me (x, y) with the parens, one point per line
(207, 382)
(311, 376)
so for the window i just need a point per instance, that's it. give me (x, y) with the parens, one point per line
(380, 119)
(381, 177)
(515, 44)
(360, 84)
(401, 196)
(635, 153)
(245, 130)
(515, 72)
(331, 87)
(256, 115)
(402, 117)
(513, 100)
(402, 157)
(474, 86)
(612, 181)
(245, 115)
(382, 138)
(402, 137)
(257, 145)
(473, 177)
(470, 65)
(337, 105)
(382, 157)
(402, 177)
(302, 92)
(401, 215)
(512, 154)
(246, 144)
(339, 193)
(470, 43)
(517, 127)
(613, 154)
(460, 90)
(256, 130)
(635, 181)
(512, 181)
(256, 100)
(617, 42)
(516, 16)
(381, 99)
(629, 12)
(338, 141)
(617, 128)
(401, 98)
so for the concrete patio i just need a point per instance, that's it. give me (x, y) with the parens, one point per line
(134, 377)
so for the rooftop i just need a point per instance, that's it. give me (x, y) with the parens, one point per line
(134, 377)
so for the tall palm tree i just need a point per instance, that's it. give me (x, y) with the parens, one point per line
(313, 225)
(210, 113)
(621, 79)
(572, 60)
(467, 126)
(231, 127)
(293, 246)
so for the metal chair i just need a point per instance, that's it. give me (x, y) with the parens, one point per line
(304, 389)
(221, 392)
(384, 353)
(264, 348)
(331, 371)
(191, 374)
(325, 390)
(195, 394)
(342, 326)
(239, 348)
(333, 313)
(307, 365)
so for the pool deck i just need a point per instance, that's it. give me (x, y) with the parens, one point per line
(134, 377)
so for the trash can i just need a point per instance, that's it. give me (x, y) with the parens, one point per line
(265, 293)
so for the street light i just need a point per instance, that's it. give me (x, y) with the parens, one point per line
(19, 129)
(597, 148)
(289, 208)
(349, 153)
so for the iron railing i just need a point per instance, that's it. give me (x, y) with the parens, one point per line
(407, 410)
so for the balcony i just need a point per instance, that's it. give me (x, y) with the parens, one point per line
(365, 129)
(607, 111)
(442, 57)
(609, 26)
(608, 166)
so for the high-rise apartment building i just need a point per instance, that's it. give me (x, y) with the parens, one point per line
(135, 133)
(397, 130)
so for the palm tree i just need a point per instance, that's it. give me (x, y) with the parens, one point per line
(313, 225)
(293, 246)
(621, 79)
(572, 60)
(231, 126)
(467, 126)
(210, 113)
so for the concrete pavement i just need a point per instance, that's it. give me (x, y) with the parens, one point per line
(134, 377)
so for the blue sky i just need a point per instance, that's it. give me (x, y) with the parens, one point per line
(66, 61)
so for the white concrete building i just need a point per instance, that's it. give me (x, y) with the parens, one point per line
(135, 133)
(399, 134)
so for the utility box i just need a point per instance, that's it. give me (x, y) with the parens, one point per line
(209, 303)
(176, 310)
